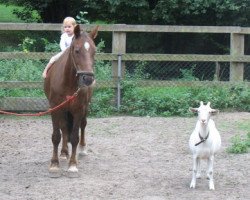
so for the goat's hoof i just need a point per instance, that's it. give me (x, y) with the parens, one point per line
(192, 185)
(211, 186)
(198, 176)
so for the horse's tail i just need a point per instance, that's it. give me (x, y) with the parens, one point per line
(69, 124)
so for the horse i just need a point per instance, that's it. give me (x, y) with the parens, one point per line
(71, 75)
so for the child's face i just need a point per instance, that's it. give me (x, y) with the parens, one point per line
(68, 28)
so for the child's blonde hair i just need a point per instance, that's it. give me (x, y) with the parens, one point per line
(69, 20)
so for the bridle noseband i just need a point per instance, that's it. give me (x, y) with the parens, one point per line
(85, 78)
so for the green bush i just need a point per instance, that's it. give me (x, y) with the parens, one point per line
(239, 144)
(103, 104)
(175, 100)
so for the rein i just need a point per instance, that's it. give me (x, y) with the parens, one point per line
(68, 99)
(202, 139)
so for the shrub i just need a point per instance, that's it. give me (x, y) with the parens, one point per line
(239, 145)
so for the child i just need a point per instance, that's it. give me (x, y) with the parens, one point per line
(66, 38)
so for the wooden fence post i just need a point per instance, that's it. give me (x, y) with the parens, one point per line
(237, 49)
(118, 48)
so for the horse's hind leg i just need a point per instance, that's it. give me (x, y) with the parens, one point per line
(82, 144)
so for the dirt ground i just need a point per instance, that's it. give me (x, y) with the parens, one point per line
(128, 158)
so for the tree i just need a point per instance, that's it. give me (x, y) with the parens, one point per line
(171, 12)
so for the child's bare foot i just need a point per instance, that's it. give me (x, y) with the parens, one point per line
(44, 74)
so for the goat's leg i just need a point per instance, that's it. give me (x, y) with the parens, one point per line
(210, 172)
(198, 174)
(195, 162)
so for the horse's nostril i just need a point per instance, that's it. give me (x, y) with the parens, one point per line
(88, 80)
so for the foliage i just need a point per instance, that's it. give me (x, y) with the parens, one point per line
(81, 18)
(7, 14)
(102, 105)
(175, 100)
(185, 12)
(239, 144)
(33, 45)
(187, 74)
(20, 70)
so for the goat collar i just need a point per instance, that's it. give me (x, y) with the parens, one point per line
(202, 139)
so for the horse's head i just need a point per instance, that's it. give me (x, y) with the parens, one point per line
(82, 52)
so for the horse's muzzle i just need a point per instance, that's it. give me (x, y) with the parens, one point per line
(85, 78)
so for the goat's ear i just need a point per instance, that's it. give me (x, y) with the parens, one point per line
(201, 103)
(208, 104)
(193, 110)
(214, 111)
(94, 32)
(77, 31)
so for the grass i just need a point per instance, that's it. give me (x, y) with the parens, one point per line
(240, 144)
(244, 125)
(6, 14)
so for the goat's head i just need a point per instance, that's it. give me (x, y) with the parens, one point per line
(204, 112)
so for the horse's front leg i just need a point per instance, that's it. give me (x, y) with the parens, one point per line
(82, 144)
(56, 138)
(65, 134)
(74, 139)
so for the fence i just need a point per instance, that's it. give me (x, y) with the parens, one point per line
(153, 69)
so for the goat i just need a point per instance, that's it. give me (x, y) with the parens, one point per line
(204, 142)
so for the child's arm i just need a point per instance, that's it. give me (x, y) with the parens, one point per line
(63, 42)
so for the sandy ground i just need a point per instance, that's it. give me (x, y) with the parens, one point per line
(129, 158)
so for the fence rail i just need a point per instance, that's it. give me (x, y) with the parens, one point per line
(135, 57)
(237, 61)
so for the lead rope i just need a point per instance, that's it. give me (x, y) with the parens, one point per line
(68, 99)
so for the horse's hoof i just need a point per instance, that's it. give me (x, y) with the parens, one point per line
(63, 158)
(54, 172)
(83, 151)
(73, 172)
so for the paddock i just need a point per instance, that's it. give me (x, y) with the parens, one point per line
(128, 158)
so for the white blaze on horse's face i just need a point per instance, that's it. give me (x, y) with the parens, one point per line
(86, 46)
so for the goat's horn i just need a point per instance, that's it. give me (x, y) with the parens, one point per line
(208, 104)
(201, 103)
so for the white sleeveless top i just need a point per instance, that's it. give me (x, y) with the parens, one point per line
(65, 41)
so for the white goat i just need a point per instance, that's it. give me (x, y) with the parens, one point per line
(204, 142)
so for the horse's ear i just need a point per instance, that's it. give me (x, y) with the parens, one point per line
(94, 32)
(77, 31)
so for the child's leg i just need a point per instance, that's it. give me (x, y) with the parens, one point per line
(46, 69)
(52, 60)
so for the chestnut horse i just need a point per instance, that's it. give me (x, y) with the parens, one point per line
(71, 74)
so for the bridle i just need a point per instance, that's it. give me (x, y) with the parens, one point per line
(83, 76)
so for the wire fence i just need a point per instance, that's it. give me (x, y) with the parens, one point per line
(21, 83)
(21, 86)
